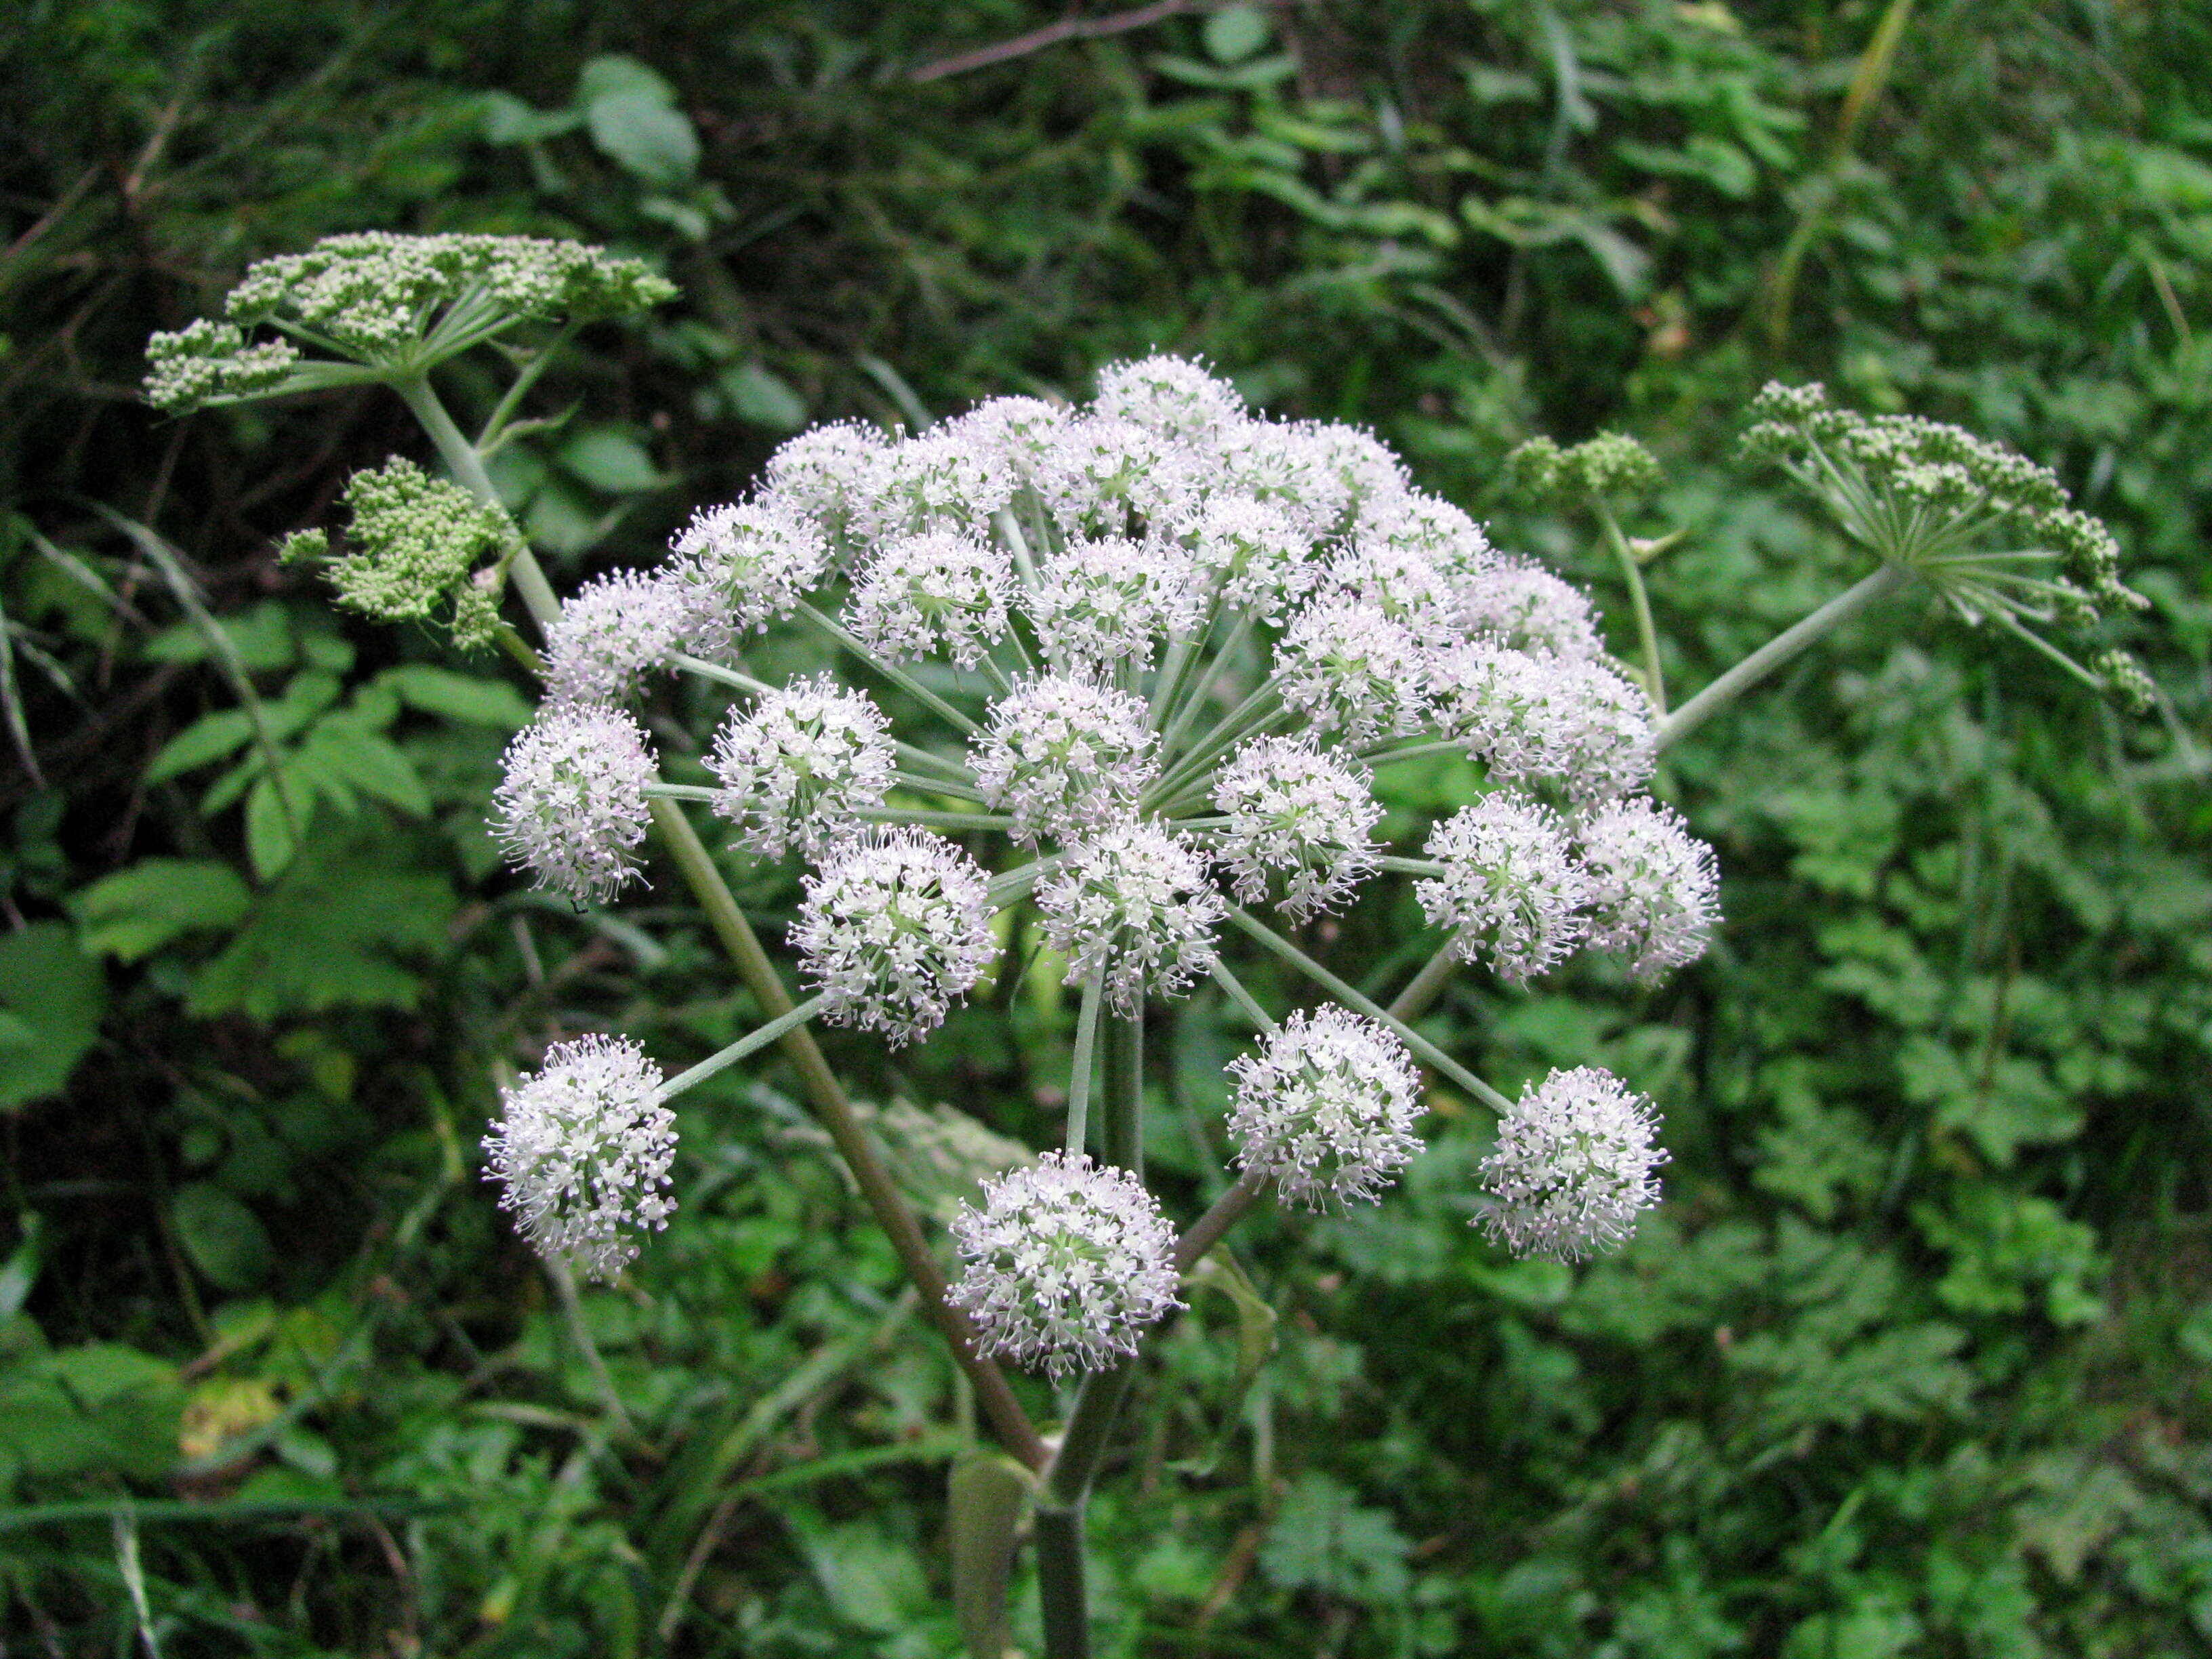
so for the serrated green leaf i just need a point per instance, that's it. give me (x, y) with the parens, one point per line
(339, 753)
(135, 911)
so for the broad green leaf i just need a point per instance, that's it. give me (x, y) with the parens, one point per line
(335, 931)
(648, 136)
(338, 752)
(987, 1493)
(1234, 34)
(207, 739)
(507, 120)
(261, 636)
(760, 396)
(276, 815)
(225, 1239)
(137, 910)
(59, 994)
(611, 461)
(1324, 1540)
(460, 696)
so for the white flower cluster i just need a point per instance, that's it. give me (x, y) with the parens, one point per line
(1655, 887)
(583, 1149)
(571, 808)
(1327, 1107)
(1062, 754)
(894, 929)
(1537, 720)
(1135, 901)
(1068, 1263)
(1512, 890)
(610, 633)
(1300, 813)
(1105, 603)
(742, 565)
(796, 769)
(1351, 670)
(1573, 1166)
(944, 590)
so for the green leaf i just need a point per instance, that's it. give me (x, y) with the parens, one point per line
(262, 638)
(53, 989)
(988, 1489)
(460, 696)
(1323, 1540)
(340, 753)
(225, 1240)
(207, 739)
(102, 1408)
(635, 123)
(334, 932)
(276, 813)
(507, 120)
(763, 399)
(137, 910)
(611, 461)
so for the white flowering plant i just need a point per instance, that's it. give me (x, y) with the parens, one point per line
(1118, 678)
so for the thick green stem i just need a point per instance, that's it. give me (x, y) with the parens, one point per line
(1655, 679)
(1078, 1073)
(1123, 1137)
(1062, 1597)
(467, 467)
(1776, 652)
(1414, 1002)
(1203, 1234)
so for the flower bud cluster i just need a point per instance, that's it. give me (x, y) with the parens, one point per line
(413, 541)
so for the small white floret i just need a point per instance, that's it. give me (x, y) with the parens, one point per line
(1656, 887)
(1327, 1107)
(571, 808)
(797, 769)
(1573, 1166)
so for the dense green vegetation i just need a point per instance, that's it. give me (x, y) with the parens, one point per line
(1915, 1358)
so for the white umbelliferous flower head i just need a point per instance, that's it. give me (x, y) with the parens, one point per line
(1511, 891)
(1524, 608)
(1109, 478)
(1298, 813)
(583, 1148)
(1656, 887)
(1403, 583)
(1068, 1263)
(1374, 479)
(1452, 542)
(944, 590)
(894, 930)
(1019, 432)
(822, 473)
(1351, 670)
(942, 480)
(1250, 553)
(1102, 603)
(1289, 468)
(609, 634)
(1062, 753)
(1327, 1107)
(1133, 899)
(797, 768)
(571, 809)
(1536, 719)
(1171, 396)
(1573, 1166)
(740, 565)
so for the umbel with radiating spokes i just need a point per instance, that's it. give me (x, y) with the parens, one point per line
(1129, 669)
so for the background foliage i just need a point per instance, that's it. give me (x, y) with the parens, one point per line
(1915, 1359)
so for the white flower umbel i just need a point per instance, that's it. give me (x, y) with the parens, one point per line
(1656, 887)
(1109, 478)
(1373, 478)
(1522, 606)
(1327, 1107)
(1531, 718)
(1101, 603)
(1453, 542)
(1351, 670)
(610, 633)
(583, 1149)
(1068, 1263)
(822, 474)
(1298, 814)
(1133, 900)
(1511, 892)
(942, 480)
(1403, 583)
(797, 769)
(1573, 1166)
(894, 930)
(571, 808)
(1061, 755)
(742, 564)
(1248, 553)
(1287, 467)
(944, 590)
(1171, 396)
(1019, 433)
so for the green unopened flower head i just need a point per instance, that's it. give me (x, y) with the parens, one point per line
(1992, 530)
(416, 544)
(388, 301)
(1608, 465)
(212, 362)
